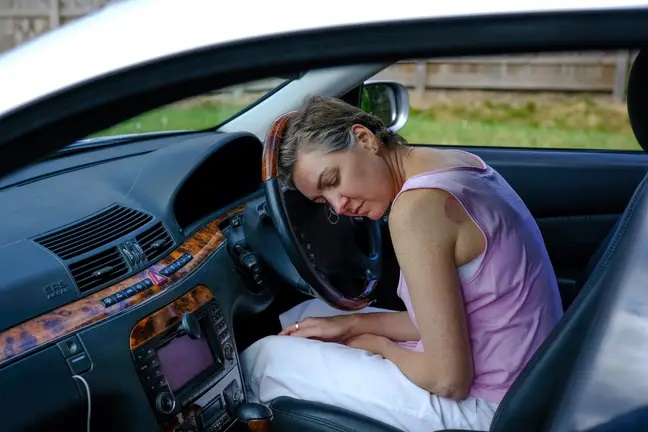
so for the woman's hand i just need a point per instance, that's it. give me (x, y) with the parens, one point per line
(337, 328)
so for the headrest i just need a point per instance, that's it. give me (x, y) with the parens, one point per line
(637, 98)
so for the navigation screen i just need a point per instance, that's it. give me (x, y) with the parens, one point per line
(183, 359)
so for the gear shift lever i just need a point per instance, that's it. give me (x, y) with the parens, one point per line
(257, 417)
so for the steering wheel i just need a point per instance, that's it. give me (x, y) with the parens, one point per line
(334, 254)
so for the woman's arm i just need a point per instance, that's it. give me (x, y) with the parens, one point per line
(424, 239)
(396, 326)
(393, 325)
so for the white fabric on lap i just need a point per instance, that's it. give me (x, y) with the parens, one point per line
(350, 378)
(318, 309)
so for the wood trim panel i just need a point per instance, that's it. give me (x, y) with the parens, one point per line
(168, 316)
(270, 165)
(259, 425)
(69, 318)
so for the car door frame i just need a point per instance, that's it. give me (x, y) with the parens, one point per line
(41, 127)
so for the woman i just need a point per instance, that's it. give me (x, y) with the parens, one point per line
(476, 280)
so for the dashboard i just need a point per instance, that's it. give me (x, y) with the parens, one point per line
(117, 282)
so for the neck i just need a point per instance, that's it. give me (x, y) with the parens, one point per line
(396, 162)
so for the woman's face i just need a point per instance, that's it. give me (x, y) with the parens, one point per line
(353, 183)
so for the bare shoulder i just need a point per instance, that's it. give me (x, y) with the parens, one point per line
(420, 210)
(428, 159)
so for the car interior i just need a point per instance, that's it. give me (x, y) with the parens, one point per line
(132, 281)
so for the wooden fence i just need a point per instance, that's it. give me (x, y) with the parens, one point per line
(603, 73)
(594, 72)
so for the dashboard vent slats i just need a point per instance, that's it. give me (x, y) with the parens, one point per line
(154, 241)
(98, 269)
(109, 245)
(94, 231)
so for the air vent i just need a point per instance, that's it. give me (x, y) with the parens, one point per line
(101, 268)
(154, 241)
(94, 231)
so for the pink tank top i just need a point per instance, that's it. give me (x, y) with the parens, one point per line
(510, 292)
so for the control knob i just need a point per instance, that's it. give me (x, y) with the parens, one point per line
(165, 403)
(228, 351)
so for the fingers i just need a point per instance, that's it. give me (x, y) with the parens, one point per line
(293, 328)
(307, 328)
(288, 330)
(309, 332)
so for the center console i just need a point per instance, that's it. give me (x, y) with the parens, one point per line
(186, 362)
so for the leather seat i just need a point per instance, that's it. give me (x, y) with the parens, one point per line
(300, 415)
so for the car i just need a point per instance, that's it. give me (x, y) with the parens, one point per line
(115, 247)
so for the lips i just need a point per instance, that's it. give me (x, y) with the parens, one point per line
(357, 210)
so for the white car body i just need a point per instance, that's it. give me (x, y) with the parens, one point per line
(131, 32)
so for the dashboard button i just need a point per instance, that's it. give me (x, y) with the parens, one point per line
(130, 291)
(154, 372)
(108, 301)
(143, 285)
(176, 265)
(119, 296)
(142, 354)
(185, 258)
(223, 336)
(79, 363)
(158, 279)
(70, 346)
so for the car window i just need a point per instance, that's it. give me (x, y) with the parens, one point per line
(199, 112)
(538, 100)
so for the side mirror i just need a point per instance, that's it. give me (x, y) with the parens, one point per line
(387, 100)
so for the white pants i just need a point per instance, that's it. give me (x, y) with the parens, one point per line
(352, 379)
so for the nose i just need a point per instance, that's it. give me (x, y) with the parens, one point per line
(340, 204)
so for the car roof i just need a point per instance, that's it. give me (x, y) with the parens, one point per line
(130, 32)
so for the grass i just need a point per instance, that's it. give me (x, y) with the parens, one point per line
(538, 121)
(576, 122)
(176, 117)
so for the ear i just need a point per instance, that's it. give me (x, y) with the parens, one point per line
(365, 138)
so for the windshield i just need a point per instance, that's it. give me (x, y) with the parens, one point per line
(200, 112)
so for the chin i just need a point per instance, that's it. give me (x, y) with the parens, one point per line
(375, 215)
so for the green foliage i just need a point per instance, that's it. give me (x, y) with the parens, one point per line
(576, 122)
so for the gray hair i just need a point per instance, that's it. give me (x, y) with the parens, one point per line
(324, 124)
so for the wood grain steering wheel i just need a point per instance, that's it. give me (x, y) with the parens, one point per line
(349, 258)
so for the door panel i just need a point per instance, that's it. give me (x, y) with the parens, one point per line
(575, 196)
